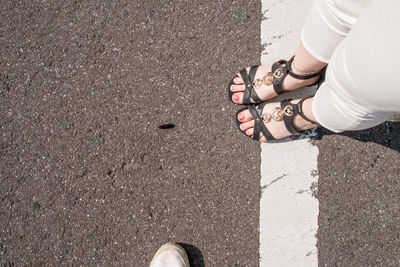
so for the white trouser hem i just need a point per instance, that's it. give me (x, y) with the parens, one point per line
(317, 117)
(311, 51)
(324, 29)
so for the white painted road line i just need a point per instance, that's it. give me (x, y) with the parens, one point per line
(288, 209)
(289, 212)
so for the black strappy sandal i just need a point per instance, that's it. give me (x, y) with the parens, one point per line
(280, 70)
(286, 112)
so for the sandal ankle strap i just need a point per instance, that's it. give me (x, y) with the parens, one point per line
(282, 68)
(302, 76)
(290, 111)
(300, 108)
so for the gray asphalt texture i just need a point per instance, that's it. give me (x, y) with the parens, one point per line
(359, 197)
(117, 135)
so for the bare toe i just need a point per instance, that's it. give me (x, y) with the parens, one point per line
(237, 98)
(263, 139)
(245, 116)
(250, 132)
(237, 87)
(247, 125)
(238, 80)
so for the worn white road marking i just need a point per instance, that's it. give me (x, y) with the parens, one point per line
(288, 209)
(289, 212)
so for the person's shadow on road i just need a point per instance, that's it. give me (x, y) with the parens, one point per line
(194, 254)
(386, 134)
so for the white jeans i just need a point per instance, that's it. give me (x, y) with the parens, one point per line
(360, 41)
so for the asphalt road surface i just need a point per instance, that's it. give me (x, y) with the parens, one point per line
(116, 136)
(359, 197)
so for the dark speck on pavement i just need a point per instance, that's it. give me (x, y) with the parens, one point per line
(92, 170)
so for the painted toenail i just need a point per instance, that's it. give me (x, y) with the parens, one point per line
(242, 127)
(235, 97)
(241, 117)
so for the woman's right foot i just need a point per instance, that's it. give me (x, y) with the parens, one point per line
(263, 84)
(276, 117)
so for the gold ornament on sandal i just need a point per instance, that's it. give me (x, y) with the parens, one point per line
(266, 80)
(257, 83)
(278, 73)
(266, 117)
(277, 114)
(288, 110)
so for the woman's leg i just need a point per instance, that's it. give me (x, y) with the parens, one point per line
(327, 24)
(362, 86)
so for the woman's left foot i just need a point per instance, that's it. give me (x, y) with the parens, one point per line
(257, 84)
